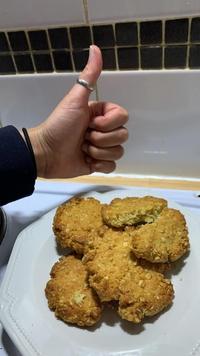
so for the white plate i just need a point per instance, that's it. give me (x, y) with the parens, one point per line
(33, 327)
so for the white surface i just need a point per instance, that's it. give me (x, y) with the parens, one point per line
(36, 331)
(164, 125)
(38, 13)
(164, 111)
(108, 10)
(29, 99)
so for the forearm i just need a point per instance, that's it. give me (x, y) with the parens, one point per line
(17, 171)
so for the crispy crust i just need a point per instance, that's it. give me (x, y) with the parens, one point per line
(130, 211)
(165, 240)
(106, 256)
(74, 220)
(69, 294)
(108, 259)
(121, 243)
(143, 293)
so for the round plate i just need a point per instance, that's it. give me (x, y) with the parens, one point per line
(35, 330)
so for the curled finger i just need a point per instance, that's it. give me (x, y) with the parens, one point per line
(107, 139)
(111, 117)
(107, 153)
(102, 166)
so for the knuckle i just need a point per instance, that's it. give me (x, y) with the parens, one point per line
(111, 167)
(89, 150)
(93, 151)
(125, 114)
(108, 166)
(90, 137)
(119, 152)
(96, 138)
(123, 135)
(103, 125)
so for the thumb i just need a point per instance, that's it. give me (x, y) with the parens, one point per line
(90, 73)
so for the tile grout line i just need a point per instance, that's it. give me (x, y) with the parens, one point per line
(163, 44)
(97, 92)
(86, 12)
(189, 43)
(11, 52)
(30, 50)
(71, 49)
(46, 51)
(50, 49)
(115, 47)
(139, 46)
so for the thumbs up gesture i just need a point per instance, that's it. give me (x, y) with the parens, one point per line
(80, 137)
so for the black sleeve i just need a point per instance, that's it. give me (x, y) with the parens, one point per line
(17, 169)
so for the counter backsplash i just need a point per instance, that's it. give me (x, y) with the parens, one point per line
(151, 62)
(158, 44)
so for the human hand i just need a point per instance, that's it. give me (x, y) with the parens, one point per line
(80, 137)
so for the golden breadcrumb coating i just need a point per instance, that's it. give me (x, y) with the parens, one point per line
(74, 220)
(130, 211)
(108, 258)
(165, 240)
(127, 247)
(158, 267)
(163, 268)
(69, 294)
(143, 293)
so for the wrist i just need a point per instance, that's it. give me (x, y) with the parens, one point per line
(37, 150)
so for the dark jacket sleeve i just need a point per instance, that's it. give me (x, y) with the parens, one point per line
(17, 169)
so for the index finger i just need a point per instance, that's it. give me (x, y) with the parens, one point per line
(114, 116)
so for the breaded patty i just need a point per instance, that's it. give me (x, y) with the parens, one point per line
(108, 258)
(143, 293)
(130, 211)
(158, 267)
(69, 294)
(74, 220)
(165, 240)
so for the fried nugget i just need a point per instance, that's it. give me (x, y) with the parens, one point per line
(108, 259)
(130, 211)
(143, 293)
(69, 294)
(74, 220)
(165, 240)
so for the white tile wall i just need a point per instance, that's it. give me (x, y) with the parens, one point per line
(34, 13)
(164, 107)
(164, 124)
(108, 10)
(28, 100)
